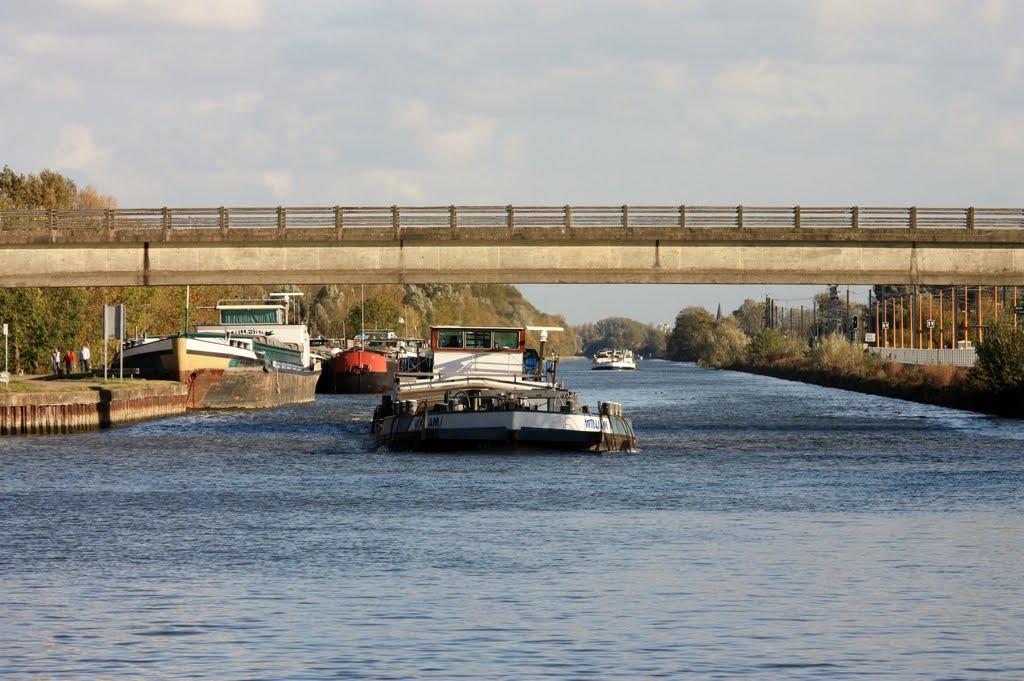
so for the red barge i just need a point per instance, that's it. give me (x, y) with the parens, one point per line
(358, 371)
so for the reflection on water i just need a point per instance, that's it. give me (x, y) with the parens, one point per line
(766, 529)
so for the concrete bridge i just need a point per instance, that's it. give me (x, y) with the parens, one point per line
(512, 244)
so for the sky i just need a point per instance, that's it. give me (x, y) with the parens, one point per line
(525, 102)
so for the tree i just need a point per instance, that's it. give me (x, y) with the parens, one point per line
(750, 316)
(47, 190)
(690, 322)
(10, 188)
(90, 199)
(646, 340)
(722, 344)
(40, 320)
(327, 313)
(376, 312)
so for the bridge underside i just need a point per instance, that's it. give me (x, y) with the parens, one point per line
(566, 261)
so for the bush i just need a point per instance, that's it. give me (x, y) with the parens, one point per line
(1000, 364)
(770, 346)
(835, 354)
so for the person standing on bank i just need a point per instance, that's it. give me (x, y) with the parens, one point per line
(55, 361)
(69, 362)
(84, 356)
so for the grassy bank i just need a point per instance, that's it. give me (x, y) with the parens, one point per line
(838, 363)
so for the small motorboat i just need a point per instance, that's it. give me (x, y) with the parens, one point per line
(610, 359)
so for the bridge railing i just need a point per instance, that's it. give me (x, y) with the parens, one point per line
(484, 217)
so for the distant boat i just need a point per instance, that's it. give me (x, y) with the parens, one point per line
(609, 359)
(485, 390)
(251, 359)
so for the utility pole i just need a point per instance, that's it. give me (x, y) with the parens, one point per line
(814, 320)
(870, 322)
(848, 328)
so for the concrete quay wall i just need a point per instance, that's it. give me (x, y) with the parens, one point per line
(69, 411)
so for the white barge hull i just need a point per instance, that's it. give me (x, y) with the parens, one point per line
(469, 430)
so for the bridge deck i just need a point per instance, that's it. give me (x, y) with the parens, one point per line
(510, 244)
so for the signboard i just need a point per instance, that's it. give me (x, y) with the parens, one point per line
(869, 337)
(113, 328)
(5, 328)
(113, 322)
(930, 323)
(885, 325)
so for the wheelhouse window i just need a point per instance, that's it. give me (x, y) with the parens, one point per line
(447, 338)
(477, 339)
(506, 340)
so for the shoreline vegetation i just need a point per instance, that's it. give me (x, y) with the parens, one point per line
(995, 385)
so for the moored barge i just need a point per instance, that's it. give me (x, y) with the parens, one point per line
(251, 359)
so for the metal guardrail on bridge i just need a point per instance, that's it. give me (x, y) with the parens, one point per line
(564, 217)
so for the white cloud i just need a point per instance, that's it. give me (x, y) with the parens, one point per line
(994, 12)
(394, 183)
(60, 87)
(464, 138)
(78, 150)
(39, 43)
(411, 114)
(756, 92)
(757, 79)
(972, 133)
(279, 182)
(1012, 67)
(472, 139)
(8, 68)
(864, 13)
(670, 78)
(243, 102)
(229, 15)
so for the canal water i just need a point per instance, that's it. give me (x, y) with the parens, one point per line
(767, 529)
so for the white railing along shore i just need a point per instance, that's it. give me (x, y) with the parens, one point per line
(960, 357)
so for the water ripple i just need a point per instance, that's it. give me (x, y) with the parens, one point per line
(767, 529)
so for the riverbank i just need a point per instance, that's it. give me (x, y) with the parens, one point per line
(39, 405)
(942, 386)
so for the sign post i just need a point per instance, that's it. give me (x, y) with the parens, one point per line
(113, 328)
(5, 377)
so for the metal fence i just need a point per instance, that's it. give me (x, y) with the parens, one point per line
(959, 357)
(564, 217)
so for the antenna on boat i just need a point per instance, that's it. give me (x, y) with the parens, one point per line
(287, 300)
(543, 343)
